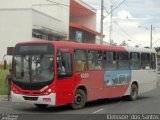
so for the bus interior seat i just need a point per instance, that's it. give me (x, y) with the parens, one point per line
(91, 65)
(79, 66)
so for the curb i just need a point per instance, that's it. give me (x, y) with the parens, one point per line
(3, 98)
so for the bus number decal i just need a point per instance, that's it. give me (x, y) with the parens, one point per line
(84, 75)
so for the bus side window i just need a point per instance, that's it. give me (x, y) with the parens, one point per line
(134, 61)
(145, 61)
(123, 60)
(109, 60)
(80, 60)
(95, 60)
(64, 64)
(153, 61)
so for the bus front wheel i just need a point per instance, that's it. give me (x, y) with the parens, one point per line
(79, 99)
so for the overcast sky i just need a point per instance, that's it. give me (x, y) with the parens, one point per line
(131, 21)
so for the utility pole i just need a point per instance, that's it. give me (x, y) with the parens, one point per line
(102, 17)
(111, 27)
(151, 37)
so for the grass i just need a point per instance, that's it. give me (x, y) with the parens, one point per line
(3, 89)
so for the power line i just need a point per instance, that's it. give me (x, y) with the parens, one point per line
(57, 3)
(156, 41)
(125, 31)
(155, 35)
(60, 4)
(111, 11)
(111, 2)
(115, 7)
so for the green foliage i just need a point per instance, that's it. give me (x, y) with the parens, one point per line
(113, 43)
(3, 89)
(124, 43)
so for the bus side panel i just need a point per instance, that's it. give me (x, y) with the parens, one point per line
(116, 83)
(64, 91)
(97, 88)
(94, 84)
(144, 80)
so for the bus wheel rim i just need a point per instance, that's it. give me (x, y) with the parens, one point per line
(78, 99)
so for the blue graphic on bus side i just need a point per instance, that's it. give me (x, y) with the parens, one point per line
(117, 78)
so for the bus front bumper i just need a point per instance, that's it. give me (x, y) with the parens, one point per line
(44, 99)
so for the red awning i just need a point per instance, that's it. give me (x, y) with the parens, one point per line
(75, 25)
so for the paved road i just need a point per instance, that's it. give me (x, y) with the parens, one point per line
(146, 103)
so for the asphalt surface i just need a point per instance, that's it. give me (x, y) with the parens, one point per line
(147, 103)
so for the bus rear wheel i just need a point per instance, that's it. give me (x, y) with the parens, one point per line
(133, 93)
(41, 106)
(79, 99)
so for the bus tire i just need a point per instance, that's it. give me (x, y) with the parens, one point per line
(133, 93)
(42, 106)
(79, 99)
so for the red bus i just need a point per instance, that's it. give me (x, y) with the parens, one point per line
(65, 72)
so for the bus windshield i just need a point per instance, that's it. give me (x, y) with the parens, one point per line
(32, 65)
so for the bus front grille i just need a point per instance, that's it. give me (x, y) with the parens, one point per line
(30, 98)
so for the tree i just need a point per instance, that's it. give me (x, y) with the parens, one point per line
(124, 43)
(113, 43)
(137, 46)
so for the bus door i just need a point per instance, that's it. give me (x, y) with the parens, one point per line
(64, 83)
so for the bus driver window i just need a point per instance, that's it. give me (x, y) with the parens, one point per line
(60, 66)
(64, 64)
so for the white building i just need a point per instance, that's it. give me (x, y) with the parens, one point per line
(24, 20)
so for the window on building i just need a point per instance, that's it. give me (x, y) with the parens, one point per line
(153, 61)
(110, 60)
(95, 60)
(134, 61)
(39, 35)
(64, 64)
(80, 60)
(145, 60)
(123, 60)
(79, 35)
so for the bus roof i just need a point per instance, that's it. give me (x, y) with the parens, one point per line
(77, 45)
(135, 49)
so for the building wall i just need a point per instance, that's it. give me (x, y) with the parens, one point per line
(15, 26)
(87, 21)
(55, 17)
(19, 17)
(11, 4)
(55, 25)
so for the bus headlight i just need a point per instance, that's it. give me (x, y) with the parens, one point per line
(48, 91)
(15, 90)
